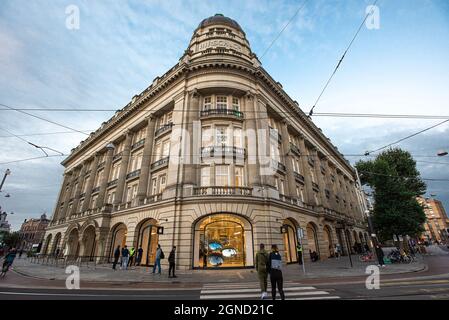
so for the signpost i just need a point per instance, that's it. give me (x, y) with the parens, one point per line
(300, 235)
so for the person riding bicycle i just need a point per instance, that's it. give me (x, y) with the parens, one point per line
(9, 259)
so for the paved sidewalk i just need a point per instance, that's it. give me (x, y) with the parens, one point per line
(331, 268)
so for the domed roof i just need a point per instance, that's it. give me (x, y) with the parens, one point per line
(218, 18)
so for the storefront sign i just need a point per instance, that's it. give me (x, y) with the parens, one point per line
(160, 230)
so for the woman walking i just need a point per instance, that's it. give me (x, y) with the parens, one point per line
(275, 270)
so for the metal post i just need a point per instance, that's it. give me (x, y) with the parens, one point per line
(348, 245)
(7, 172)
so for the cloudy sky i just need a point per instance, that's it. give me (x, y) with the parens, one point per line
(400, 68)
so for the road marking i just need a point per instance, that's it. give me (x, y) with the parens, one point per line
(253, 290)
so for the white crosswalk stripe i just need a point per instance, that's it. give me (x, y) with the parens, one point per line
(251, 291)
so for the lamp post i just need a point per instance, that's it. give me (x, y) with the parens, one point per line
(7, 172)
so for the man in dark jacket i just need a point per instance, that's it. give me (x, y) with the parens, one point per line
(171, 261)
(116, 257)
(139, 256)
(380, 255)
(275, 270)
(125, 258)
(261, 268)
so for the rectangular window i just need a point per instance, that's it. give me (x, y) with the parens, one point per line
(222, 102)
(207, 138)
(93, 203)
(281, 186)
(207, 103)
(134, 192)
(235, 104)
(166, 148)
(221, 135)
(154, 186)
(222, 176)
(238, 176)
(238, 137)
(169, 117)
(80, 206)
(157, 151)
(300, 193)
(162, 183)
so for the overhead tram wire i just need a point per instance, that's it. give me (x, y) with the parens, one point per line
(407, 137)
(341, 60)
(405, 177)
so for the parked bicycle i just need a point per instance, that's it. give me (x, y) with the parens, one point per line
(397, 256)
(367, 257)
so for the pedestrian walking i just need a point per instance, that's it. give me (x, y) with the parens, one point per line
(125, 258)
(116, 257)
(131, 256)
(157, 262)
(261, 268)
(9, 259)
(275, 270)
(299, 251)
(139, 256)
(20, 253)
(171, 262)
(380, 256)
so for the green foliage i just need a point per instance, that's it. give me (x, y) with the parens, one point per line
(11, 239)
(396, 183)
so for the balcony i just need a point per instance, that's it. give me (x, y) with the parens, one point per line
(328, 193)
(278, 166)
(160, 163)
(222, 151)
(274, 133)
(117, 156)
(112, 183)
(138, 144)
(96, 189)
(299, 177)
(294, 149)
(153, 198)
(133, 174)
(220, 113)
(311, 161)
(101, 165)
(323, 169)
(223, 191)
(315, 186)
(164, 129)
(82, 195)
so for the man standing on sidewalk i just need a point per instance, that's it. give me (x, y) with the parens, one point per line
(299, 250)
(116, 257)
(171, 261)
(125, 258)
(261, 268)
(139, 256)
(157, 262)
(131, 256)
(275, 270)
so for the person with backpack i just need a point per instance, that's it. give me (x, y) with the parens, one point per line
(116, 257)
(159, 255)
(275, 270)
(125, 258)
(261, 268)
(171, 261)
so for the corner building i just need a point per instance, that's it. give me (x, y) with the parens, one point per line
(216, 153)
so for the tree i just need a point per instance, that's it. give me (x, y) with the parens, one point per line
(396, 183)
(11, 239)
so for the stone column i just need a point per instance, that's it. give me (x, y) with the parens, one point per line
(123, 168)
(146, 160)
(105, 178)
(78, 189)
(192, 147)
(320, 179)
(291, 187)
(310, 198)
(251, 141)
(90, 182)
(330, 186)
(67, 195)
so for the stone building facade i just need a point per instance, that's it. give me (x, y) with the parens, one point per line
(213, 157)
(437, 224)
(32, 232)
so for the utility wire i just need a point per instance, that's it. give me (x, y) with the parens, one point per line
(407, 137)
(405, 177)
(341, 59)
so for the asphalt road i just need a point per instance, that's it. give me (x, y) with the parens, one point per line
(432, 284)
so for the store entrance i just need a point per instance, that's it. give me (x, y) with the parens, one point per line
(148, 240)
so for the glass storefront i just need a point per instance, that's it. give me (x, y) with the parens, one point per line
(222, 241)
(118, 239)
(290, 241)
(148, 240)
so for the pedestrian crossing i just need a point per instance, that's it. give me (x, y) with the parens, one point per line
(251, 291)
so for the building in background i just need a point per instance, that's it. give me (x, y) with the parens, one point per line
(4, 225)
(437, 224)
(32, 232)
(213, 157)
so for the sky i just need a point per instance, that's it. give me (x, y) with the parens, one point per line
(121, 46)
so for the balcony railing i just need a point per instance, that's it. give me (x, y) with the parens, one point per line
(311, 161)
(164, 129)
(133, 174)
(315, 186)
(82, 194)
(328, 193)
(138, 144)
(278, 165)
(112, 182)
(299, 177)
(96, 189)
(101, 165)
(222, 112)
(222, 151)
(153, 198)
(160, 163)
(117, 156)
(294, 149)
(225, 191)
